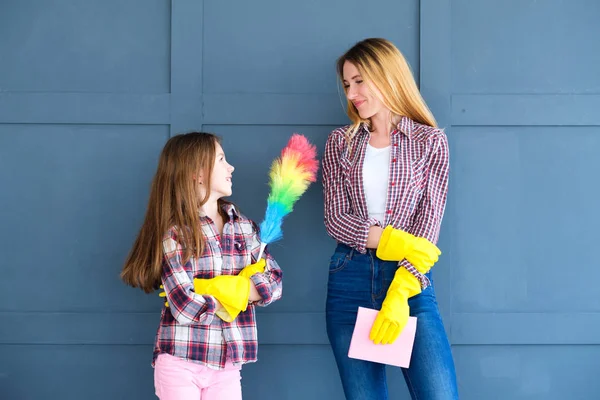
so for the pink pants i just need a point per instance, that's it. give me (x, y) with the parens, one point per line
(178, 379)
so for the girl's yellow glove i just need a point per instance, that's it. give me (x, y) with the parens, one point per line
(256, 268)
(232, 291)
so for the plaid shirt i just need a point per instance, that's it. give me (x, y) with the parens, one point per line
(189, 328)
(416, 195)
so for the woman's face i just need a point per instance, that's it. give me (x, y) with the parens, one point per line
(364, 95)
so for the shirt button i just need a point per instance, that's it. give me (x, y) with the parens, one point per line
(389, 211)
(393, 183)
(394, 160)
(395, 144)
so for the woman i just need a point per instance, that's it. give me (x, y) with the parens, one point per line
(385, 180)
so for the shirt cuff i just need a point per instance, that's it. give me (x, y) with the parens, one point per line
(410, 268)
(209, 310)
(361, 242)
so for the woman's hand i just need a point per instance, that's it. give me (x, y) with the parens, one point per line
(374, 236)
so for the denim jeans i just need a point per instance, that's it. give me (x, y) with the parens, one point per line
(361, 280)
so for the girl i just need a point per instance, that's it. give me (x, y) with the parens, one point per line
(202, 249)
(385, 180)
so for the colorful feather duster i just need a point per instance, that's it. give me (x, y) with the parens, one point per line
(291, 174)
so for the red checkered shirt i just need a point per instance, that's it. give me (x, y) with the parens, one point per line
(189, 328)
(417, 188)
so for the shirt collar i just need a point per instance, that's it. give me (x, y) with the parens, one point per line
(229, 209)
(405, 125)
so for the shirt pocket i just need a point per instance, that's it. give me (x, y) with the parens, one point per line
(338, 261)
(243, 245)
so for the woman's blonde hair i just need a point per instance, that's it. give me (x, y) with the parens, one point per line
(173, 202)
(381, 64)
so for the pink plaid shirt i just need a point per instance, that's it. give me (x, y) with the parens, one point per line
(416, 195)
(189, 328)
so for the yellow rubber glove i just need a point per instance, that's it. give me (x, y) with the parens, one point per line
(232, 291)
(164, 294)
(256, 268)
(396, 245)
(248, 271)
(394, 313)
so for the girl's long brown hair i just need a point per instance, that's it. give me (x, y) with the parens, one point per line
(173, 202)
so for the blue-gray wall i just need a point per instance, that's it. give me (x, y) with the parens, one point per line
(90, 91)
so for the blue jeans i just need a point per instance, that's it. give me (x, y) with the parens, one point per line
(361, 280)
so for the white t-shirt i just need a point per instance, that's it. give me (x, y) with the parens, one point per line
(376, 175)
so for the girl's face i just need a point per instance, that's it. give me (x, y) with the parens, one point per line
(220, 184)
(220, 181)
(365, 97)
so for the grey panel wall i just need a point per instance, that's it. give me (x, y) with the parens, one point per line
(90, 92)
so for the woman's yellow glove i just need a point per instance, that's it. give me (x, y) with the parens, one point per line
(394, 313)
(396, 245)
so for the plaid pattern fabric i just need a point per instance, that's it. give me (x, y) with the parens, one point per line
(417, 189)
(189, 328)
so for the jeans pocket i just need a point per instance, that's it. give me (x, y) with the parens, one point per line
(338, 261)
